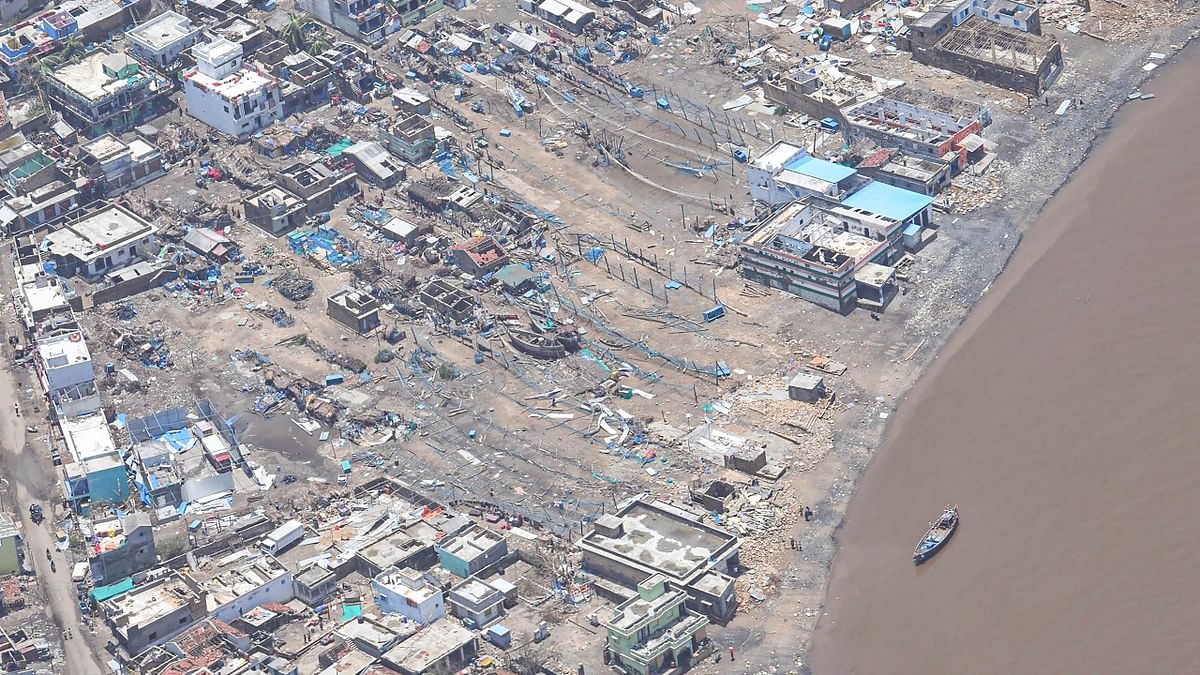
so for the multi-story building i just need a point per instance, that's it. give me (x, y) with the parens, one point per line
(96, 244)
(655, 632)
(315, 584)
(919, 131)
(410, 594)
(24, 166)
(119, 166)
(120, 547)
(163, 39)
(319, 186)
(918, 174)
(470, 551)
(91, 20)
(827, 254)
(67, 373)
(236, 99)
(275, 210)
(354, 309)
(1007, 13)
(47, 205)
(370, 21)
(93, 470)
(476, 601)
(643, 538)
(105, 92)
(306, 81)
(410, 138)
(154, 612)
(786, 172)
(256, 579)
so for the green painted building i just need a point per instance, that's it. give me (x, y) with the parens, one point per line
(10, 545)
(655, 632)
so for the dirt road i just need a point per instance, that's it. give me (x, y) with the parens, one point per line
(32, 479)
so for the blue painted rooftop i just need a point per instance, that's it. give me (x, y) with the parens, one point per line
(888, 201)
(808, 165)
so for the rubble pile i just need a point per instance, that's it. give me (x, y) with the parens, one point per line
(293, 286)
(968, 193)
(1121, 22)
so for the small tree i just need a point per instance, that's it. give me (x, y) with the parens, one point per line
(320, 46)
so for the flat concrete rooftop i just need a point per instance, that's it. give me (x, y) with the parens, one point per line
(88, 79)
(655, 538)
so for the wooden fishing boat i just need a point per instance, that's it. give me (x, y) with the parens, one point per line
(938, 534)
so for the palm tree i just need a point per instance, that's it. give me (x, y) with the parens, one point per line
(293, 32)
(320, 46)
(47, 64)
(72, 47)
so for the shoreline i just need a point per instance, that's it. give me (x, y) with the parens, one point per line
(868, 440)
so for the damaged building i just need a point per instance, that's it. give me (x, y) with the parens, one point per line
(950, 133)
(354, 309)
(986, 51)
(833, 256)
(275, 210)
(105, 92)
(321, 187)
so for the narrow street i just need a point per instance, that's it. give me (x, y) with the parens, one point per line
(32, 479)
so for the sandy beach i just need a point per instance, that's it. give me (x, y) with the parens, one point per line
(1054, 419)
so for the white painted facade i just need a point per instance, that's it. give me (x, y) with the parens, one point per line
(229, 96)
(163, 38)
(239, 589)
(409, 594)
(69, 375)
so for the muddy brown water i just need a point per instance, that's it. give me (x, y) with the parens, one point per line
(1064, 419)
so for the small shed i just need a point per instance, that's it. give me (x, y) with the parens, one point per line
(498, 635)
(806, 387)
(516, 279)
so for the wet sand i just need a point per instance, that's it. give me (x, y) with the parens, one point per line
(1064, 419)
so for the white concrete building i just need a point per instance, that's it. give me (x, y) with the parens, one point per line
(227, 95)
(99, 243)
(163, 38)
(245, 580)
(786, 172)
(69, 376)
(410, 594)
(121, 166)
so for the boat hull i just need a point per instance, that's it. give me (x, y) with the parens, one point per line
(939, 532)
(922, 556)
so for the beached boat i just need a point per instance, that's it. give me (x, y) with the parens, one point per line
(938, 534)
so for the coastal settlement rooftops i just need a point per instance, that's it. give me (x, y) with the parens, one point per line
(100, 75)
(162, 31)
(439, 642)
(98, 234)
(650, 538)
